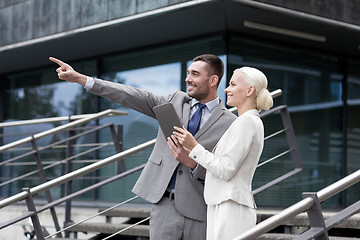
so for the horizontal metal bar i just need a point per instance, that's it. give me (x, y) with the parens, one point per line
(54, 145)
(56, 119)
(74, 137)
(272, 110)
(50, 166)
(91, 217)
(273, 158)
(274, 134)
(50, 178)
(84, 145)
(127, 228)
(339, 186)
(345, 213)
(62, 146)
(17, 219)
(277, 180)
(276, 93)
(17, 157)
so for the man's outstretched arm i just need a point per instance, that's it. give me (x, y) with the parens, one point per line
(67, 73)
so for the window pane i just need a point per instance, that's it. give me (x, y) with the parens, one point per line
(353, 126)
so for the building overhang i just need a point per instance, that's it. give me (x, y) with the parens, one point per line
(183, 21)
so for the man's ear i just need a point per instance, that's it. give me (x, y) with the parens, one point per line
(250, 91)
(214, 80)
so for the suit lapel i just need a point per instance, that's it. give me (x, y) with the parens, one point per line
(218, 112)
(186, 114)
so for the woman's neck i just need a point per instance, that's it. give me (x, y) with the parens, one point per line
(244, 108)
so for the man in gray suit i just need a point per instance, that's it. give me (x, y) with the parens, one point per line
(176, 190)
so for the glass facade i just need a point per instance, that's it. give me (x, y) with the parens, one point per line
(321, 90)
(352, 128)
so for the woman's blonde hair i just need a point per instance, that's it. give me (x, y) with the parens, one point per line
(256, 78)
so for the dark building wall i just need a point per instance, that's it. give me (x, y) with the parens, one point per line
(345, 11)
(23, 20)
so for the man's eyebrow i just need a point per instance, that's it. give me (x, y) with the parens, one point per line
(194, 71)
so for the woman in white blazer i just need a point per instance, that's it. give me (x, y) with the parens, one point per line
(232, 163)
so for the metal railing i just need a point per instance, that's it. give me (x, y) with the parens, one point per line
(28, 193)
(311, 205)
(80, 121)
(35, 150)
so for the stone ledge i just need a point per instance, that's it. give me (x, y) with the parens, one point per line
(302, 220)
(130, 212)
(110, 228)
(279, 236)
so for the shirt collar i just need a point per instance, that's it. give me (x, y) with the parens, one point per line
(210, 105)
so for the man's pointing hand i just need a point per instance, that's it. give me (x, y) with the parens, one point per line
(67, 73)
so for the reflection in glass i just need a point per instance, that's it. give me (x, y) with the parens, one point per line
(353, 126)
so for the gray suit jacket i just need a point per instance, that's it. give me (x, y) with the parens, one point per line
(155, 177)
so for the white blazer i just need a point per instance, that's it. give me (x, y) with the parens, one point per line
(232, 163)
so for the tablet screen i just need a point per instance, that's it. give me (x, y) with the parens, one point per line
(167, 118)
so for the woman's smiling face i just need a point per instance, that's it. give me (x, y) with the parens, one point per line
(237, 90)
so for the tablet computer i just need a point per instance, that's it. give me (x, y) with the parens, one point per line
(167, 118)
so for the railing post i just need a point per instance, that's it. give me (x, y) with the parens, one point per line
(68, 185)
(34, 218)
(316, 218)
(117, 139)
(290, 135)
(43, 179)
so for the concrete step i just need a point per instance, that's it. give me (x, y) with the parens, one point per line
(130, 212)
(302, 220)
(58, 238)
(110, 228)
(279, 236)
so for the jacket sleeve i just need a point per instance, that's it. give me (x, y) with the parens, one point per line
(231, 151)
(131, 97)
(199, 174)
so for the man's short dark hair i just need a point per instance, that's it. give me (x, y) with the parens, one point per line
(215, 63)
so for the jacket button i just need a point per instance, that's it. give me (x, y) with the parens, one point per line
(180, 172)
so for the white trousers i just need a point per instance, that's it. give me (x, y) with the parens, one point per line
(228, 220)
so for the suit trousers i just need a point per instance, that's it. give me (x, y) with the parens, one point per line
(228, 220)
(167, 224)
